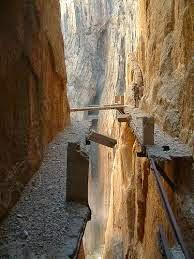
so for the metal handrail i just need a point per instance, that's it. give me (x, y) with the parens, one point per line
(168, 209)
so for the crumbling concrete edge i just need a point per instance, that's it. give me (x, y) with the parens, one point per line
(82, 231)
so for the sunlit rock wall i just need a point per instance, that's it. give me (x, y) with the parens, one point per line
(132, 204)
(164, 55)
(148, 43)
(119, 43)
(33, 106)
(84, 30)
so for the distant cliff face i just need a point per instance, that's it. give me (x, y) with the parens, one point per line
(33, 105)
(84, 30)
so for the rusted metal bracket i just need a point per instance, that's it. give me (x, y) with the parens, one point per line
(166, 148)
(166, 178)
(163, 244)
(88, 142)
(142, 153)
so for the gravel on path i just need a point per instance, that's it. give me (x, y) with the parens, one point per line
(42, 224)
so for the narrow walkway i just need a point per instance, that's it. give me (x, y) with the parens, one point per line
(42, 224)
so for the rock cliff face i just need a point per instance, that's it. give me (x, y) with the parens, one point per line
(113, 45)
(147, 43)
(33, 106)
(84, 30)
(113, 40)
(164, 54)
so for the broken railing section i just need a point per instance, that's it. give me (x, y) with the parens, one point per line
(100, 139)
(147, 134)
(77, 174)
(77, 184)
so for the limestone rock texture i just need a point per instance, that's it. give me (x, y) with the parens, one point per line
(147, 43)
(84, 30)
(164, 52)
(34, 105)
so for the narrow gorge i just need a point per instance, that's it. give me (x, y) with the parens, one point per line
(97, 143)
(112, 46)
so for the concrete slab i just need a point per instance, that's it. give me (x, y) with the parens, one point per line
(77, 174)
(161, 139)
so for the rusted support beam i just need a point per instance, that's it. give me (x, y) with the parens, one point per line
(166, 178)
(87, 142)
(101, 139)
(121, 110)
(168, 209)
(99, 108)
(123, 117)
(165, 251)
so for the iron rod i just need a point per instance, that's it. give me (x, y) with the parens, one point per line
(168, 209)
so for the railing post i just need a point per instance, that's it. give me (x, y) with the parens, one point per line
(77, 174)
(148, 130)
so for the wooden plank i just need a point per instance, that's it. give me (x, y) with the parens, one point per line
(98, 108)
(123, 117)
(102, 139)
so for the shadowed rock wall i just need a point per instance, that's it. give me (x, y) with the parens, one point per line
(33, 106)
